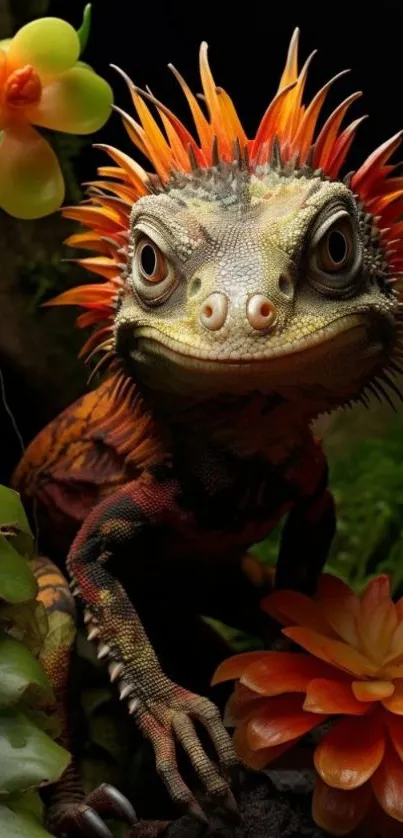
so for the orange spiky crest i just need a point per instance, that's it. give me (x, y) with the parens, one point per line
(287, 129)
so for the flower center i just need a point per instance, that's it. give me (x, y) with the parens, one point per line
(23, 87)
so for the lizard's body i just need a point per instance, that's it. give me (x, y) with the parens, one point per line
(230, 494)
(247, 290)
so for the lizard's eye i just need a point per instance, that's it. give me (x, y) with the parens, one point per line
(153, 276)
(335, 254)
(152, 264)
(334, 248)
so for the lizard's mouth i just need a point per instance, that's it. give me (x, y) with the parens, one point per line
(149, 339)
(345, 351)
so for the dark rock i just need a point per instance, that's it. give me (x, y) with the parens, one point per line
(264, 813)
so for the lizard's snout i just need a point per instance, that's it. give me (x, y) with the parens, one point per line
(213, 312)
(261, 312)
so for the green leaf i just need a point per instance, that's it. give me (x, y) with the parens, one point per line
(19, 672)
(238, 640)
(46, 719)
(20, 824)
(12, 513)
(17, 582)
(27, 622)
(84, 30)
(29, 758)
(28, 802)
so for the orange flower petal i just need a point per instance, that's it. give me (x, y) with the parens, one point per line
(340, 606)
(372, 690)
(395, 702)
(399, 608)
(292, 608)
(283, 672)
(376, 628)
(396, 645)
(350, 753)
(241, 704)
(338, 811)
(325, 696)
(332, 651)
(377, 618)
(377, 591)
(380, 824)
(2, 73)
(261, 758)
(235, 666)
(394, 725)
(393, 671)
(281, 719)
(387, 783)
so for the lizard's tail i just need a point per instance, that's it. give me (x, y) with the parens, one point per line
(56, 652)
(67, 808)
(56, 658)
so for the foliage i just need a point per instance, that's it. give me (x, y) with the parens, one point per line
(29, 756)
(367, 483)
(368, 488)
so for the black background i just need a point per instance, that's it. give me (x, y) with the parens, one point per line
(247, 47)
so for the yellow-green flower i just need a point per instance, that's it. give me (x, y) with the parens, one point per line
(43, 83)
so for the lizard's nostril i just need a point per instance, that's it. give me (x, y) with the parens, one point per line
(213, 312)
(261, 312)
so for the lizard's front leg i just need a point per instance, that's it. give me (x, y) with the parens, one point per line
(117, 529)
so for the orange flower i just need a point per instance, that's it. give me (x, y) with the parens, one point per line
(42, 83)
(354, 668)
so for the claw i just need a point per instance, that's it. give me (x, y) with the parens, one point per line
(197, 812)
(93, 826)
(121, 805)
(232, 774)
(231, 807)
(85, 819)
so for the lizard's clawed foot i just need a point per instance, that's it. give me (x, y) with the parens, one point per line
(86, 817)
(170, 719)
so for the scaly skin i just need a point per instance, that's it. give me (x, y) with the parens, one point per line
(69, 808)
(246, 292)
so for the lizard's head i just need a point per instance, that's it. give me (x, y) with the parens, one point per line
(248, 265)
(267, 281)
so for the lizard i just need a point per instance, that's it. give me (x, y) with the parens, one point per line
(245, 288)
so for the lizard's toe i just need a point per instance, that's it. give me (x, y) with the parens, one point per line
(76, 819)
(172, 722)
(208, 772)
(231, 807)
(107, 800)
(90, 824)
(85, 818)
